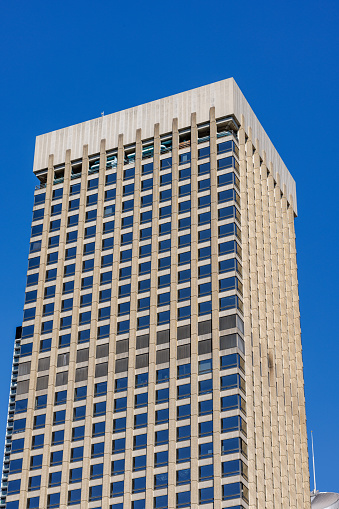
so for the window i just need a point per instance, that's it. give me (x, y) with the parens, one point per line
(139, 463)
(56, 458)
(183, 412)
(120, 404)
(184, 370)
(184, 391)
(80, 393)
(160, 502)
(54, 479)
(16, 465)
(120, 384)
(95, 492)
(234, 490)
(161, 437)
(184, 190)
(183, 454)
(185, 158)
(74, 189)
(232, 445)
(140, 441)
(36, 462)
(205, 450)
(13, 486)
(147, 168)
(205, 428)
(97, 471)
(206, 472)
(58, 437)
(161, 416)
(140, 400)
(118, 445)
(37, 442)
(78, 433)
(118, 467)
(204, 201)
(183, 476)
(117, 489)
(160, 480)
(56, 209)
(109, 210)
(185, 174)
(140, 421)
(59, 417)
(183, 433)
(41, 401)
(146, 200)
(162, 375)
(98, 449)
(184, 293)
(79, 413)
(165, 195)
(138, 484)
(74, 497)
(205, 366)
(77, 454)
(34, 483)
(164, 245)
(184, 499)
(83, 336)
(145, 250)
(111, 178)
(32, 503)
(206, 495)
(99, 409)
(161, 458)
(110, 194)
(162, 396)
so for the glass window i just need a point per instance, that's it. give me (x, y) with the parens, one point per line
(56, 458)
(78, 433)
(79, 413)
(161, 458)
(183, 433)
(37, 442)
(183, 476)
(139, 463)
(183, 412)
(165, 211)
(138, 484)
(183, 454)
(119, 425)
(184, 370)
(205, 450)
(206, 407)
(161, 416)
(183, 391)
(140, 441)
(97, 471)
(160, 502)
(118, 467)
(80, 393)
(184, 293)
(140, 421)
(162, 375)
(95, 492)
(184, 499)
(120, 384)
(161, 437)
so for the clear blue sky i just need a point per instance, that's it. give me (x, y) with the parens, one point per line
(66, 62)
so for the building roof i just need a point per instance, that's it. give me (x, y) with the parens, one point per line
(224, 95)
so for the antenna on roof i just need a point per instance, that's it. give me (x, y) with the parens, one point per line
(102, 113)
(314, 481)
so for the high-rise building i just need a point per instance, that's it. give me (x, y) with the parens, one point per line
(159, 362)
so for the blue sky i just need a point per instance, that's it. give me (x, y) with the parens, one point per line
(66, 62)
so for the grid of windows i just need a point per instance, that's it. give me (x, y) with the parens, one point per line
(120, 224)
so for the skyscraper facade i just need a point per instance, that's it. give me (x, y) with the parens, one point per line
(159, 361)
